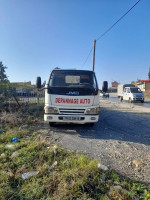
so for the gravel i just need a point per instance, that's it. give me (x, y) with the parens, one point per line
(120, 140)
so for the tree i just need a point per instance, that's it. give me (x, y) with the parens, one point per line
(133, 82)
(3, 76)
(149, 74)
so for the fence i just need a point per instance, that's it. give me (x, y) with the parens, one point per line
(31, 99)
(30, 95)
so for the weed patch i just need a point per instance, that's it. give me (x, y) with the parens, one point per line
(61, 174)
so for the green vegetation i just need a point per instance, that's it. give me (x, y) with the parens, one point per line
(62, 174)
(23, 85)
(3, 76)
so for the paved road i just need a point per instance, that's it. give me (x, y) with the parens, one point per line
(145, 104)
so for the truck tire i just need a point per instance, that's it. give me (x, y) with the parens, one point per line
(121, 99)
(142, 101)
(52, 124)
(130, 100)
(105, 86)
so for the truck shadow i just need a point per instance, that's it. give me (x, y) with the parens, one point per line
(113, 125)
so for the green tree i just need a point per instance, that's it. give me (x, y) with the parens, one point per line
(149, 74)
(3, 76)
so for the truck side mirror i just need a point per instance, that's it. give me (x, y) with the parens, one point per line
(105, 86)
(38, 82)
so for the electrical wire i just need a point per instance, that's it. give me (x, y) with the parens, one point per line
(111, 28)
(88, 56)
(117, 21)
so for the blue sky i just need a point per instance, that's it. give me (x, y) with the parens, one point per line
(38, 35)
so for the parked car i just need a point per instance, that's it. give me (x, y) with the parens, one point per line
(104, 94)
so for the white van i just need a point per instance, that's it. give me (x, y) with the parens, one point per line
(130, 93)
(71, 96)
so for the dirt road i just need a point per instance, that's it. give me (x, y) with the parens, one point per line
(120, 140)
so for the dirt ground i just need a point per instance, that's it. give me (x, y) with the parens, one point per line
(120, 140)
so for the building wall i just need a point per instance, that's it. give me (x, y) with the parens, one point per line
(141, 86)
(147, 86)
(114, 84)
(144, 86)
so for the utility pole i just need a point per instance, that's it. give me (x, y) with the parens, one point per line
(94, 55)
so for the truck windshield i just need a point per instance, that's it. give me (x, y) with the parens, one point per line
(73, 78)
(135, 90)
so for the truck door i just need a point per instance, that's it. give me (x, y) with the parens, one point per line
(125, 96)
(128, 93)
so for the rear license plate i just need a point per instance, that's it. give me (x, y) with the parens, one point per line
(71, 118)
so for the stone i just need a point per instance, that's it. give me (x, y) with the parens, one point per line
(103, 167)
(137, 163)
(14, 154)
(10, 146)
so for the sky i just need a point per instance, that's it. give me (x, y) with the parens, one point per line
(39, 35)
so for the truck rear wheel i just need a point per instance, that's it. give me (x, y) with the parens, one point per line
(130, 100)
(52, 124)
(121, 98)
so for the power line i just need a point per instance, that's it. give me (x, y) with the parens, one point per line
(111, 28)
(117, 21)
(88, 56)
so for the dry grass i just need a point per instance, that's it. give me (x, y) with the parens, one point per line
(73, 176)
(62, 174)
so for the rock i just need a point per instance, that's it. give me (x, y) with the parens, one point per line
(14, 154)
(2, 155)
(103, 167)
(10, 146)
(10, 174)
(116, 183)
(23, 127)
(117, 187)
(55, 149)
(137, 163)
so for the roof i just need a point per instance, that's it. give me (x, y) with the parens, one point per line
(145, 80)
(73, 69)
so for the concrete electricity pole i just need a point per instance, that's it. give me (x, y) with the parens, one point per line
(94, 55)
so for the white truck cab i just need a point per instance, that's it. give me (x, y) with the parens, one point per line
(130, 93)
(71, 96)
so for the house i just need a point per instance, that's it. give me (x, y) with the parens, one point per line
(114, 84)
(26, 89)
(144, 85)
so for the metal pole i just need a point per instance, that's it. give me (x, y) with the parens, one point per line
(37, 97)
(94, 55)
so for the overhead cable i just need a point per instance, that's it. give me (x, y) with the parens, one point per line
(111, 28)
